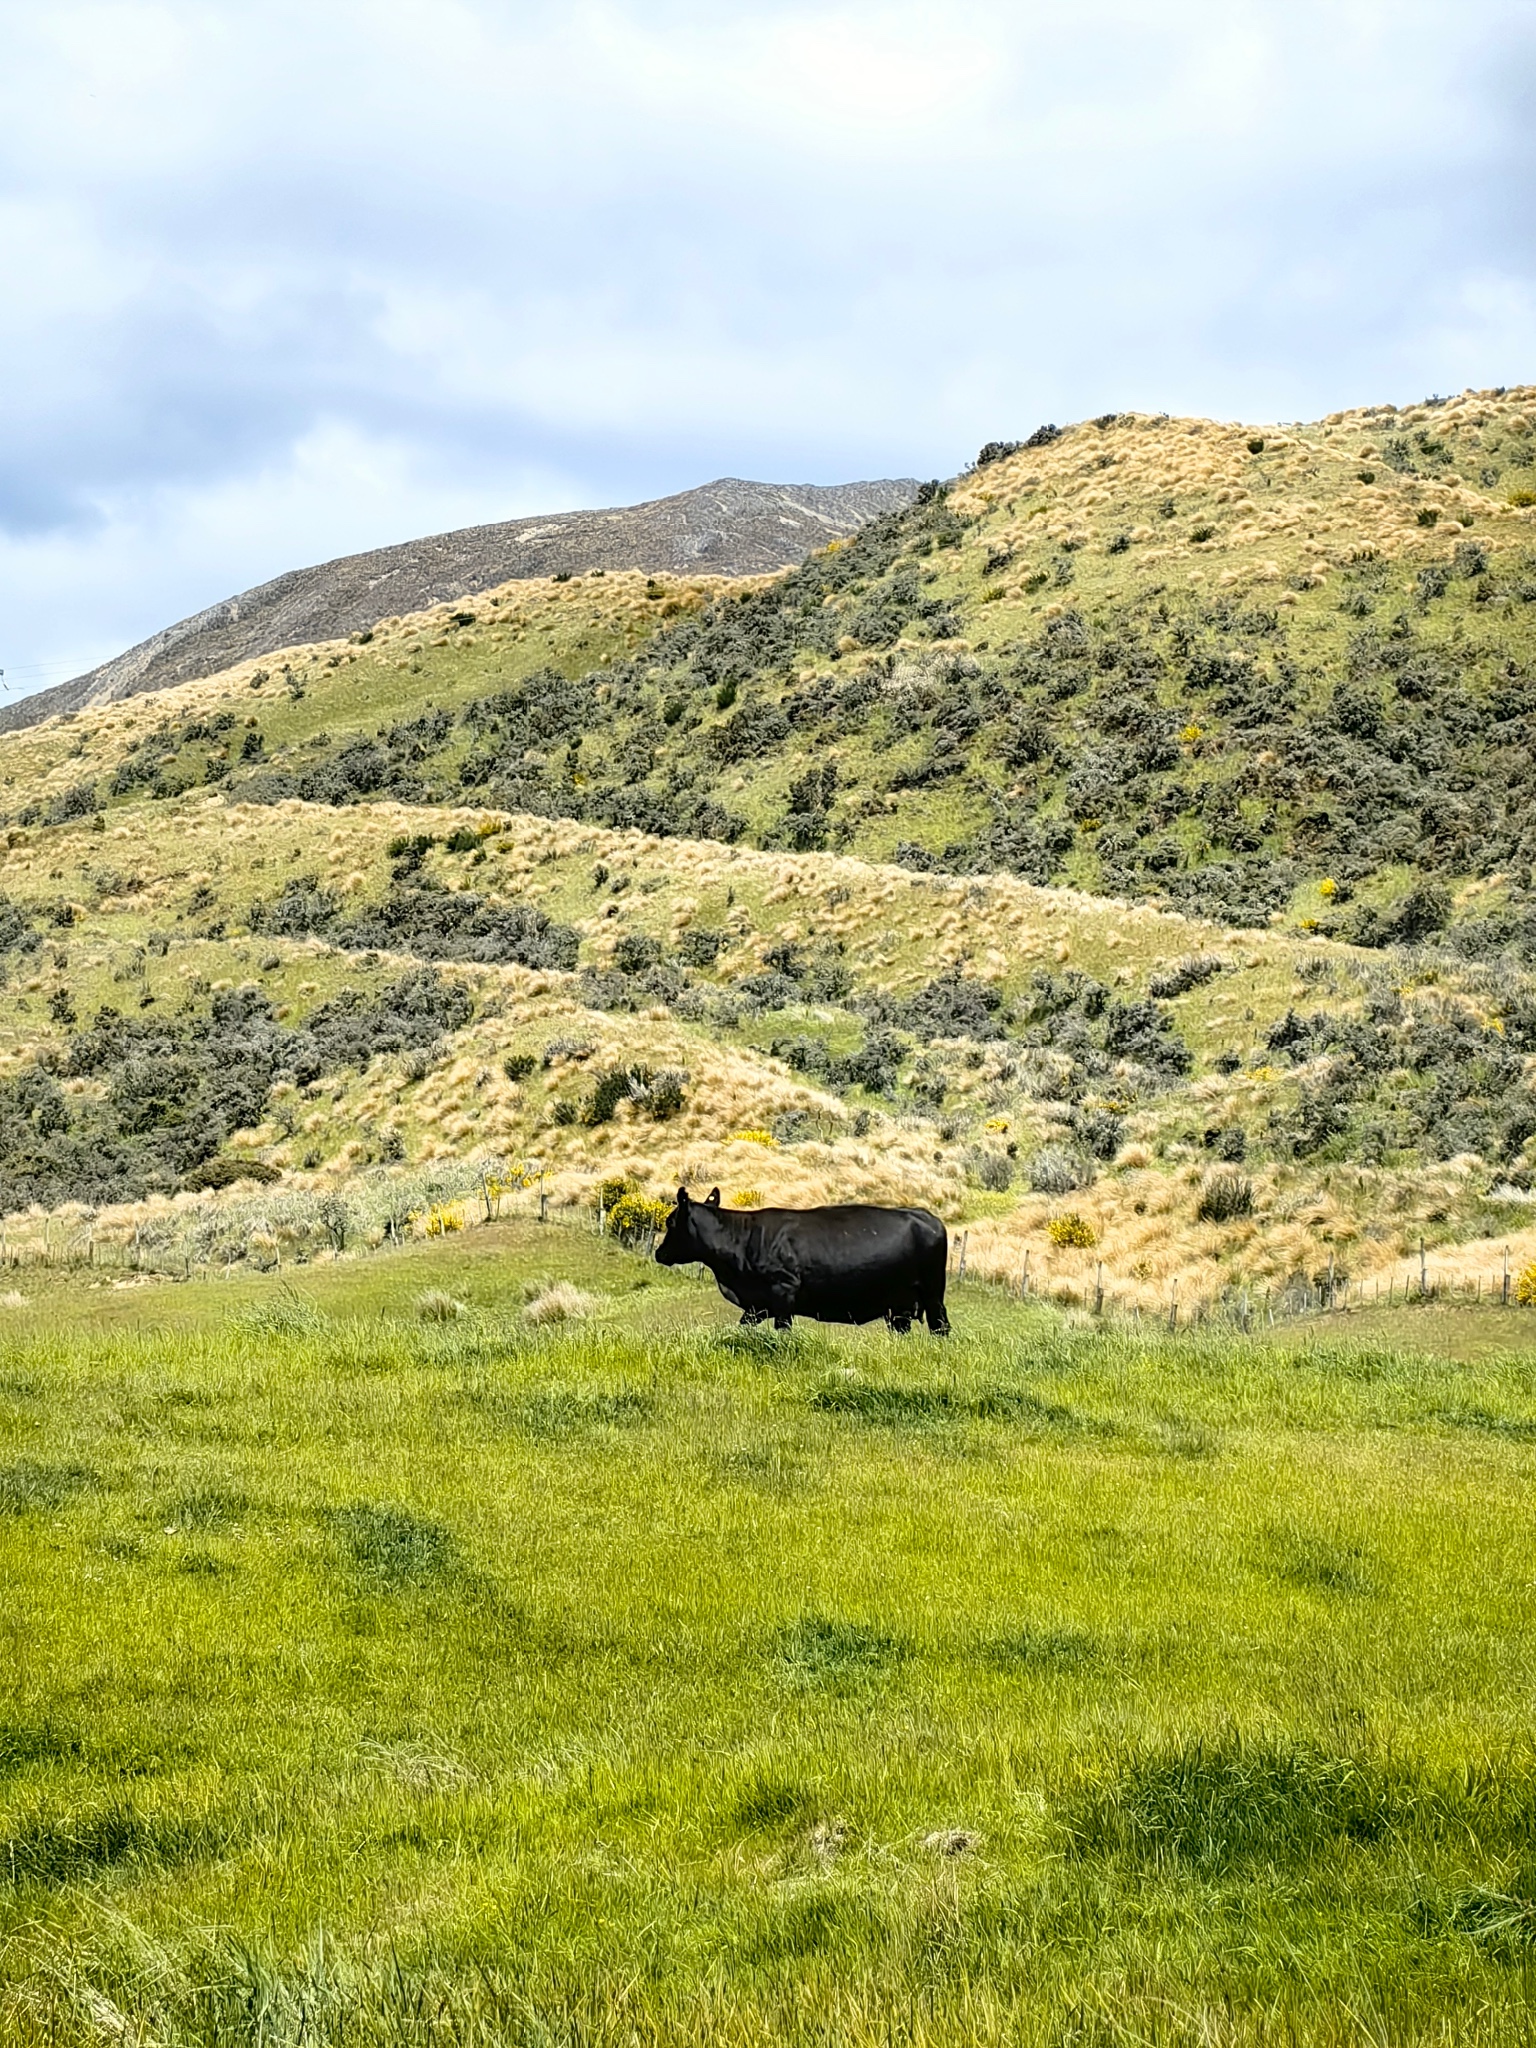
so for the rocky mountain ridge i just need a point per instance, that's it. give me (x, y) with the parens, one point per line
(732, 527)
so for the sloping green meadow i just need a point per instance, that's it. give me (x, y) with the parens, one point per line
(373, 1672)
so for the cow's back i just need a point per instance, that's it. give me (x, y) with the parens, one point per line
(856, 1262)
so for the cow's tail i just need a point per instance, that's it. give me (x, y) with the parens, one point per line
(933, 1271)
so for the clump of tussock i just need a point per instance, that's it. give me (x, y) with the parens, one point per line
(416, 1767)
(288, 1314)
(434, 1306)
(561, 1303)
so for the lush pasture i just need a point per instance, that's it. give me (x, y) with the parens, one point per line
(369, 1677)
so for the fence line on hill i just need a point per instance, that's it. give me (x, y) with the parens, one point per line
(1243, 1308)
(1247, 1308)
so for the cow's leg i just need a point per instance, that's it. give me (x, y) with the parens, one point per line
(752, 1316)
(931, 1296)
(783, 1322)
(900, 1325)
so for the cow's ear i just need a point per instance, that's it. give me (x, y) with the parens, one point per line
(714, 1198)
(682, 1198)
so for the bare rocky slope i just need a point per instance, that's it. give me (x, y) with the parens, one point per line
(731, 527)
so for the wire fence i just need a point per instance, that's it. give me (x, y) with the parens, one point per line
(1248, 1307)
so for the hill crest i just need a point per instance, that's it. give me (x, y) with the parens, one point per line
(731, 527)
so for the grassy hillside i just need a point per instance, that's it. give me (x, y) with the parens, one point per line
(380, 1666)
(1276, 678)
(1251, 673)
(428, 1621)
(377, 997)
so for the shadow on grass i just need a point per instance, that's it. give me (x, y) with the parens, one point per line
(814, 1651)
(57, 1849)
(392, 1547)
(1317, 1564)
(1043, 1651)
(550, 1413)
(904, 1405)
(1515, 1429)
(30, 1486)
(1217, 1805)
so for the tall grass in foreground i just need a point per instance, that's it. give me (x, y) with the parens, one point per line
(378, 1678)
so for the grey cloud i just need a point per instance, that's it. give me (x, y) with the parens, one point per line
(628, 247)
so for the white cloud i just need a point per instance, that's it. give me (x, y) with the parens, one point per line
(271, 276)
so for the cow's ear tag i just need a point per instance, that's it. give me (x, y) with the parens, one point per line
(714, 1198)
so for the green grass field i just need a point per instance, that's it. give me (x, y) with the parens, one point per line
(371, 1678)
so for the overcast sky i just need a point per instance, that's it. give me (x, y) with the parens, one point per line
(288, 279)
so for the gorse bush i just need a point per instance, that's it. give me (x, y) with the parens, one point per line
(1072, 1232)
(636, 1218)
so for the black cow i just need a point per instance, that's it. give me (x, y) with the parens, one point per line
(845, 1264)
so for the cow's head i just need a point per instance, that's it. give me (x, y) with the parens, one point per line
(682, 1243)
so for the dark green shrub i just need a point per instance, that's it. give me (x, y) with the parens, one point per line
(1184, 975)
(1054, 1172)
(223, 1172)
(614, 1085)
(1224, 1198)
(636, 952)
(699, 947)
(992, 1171)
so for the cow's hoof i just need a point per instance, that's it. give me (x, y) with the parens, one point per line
(783, 1322)
(901, 1326)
